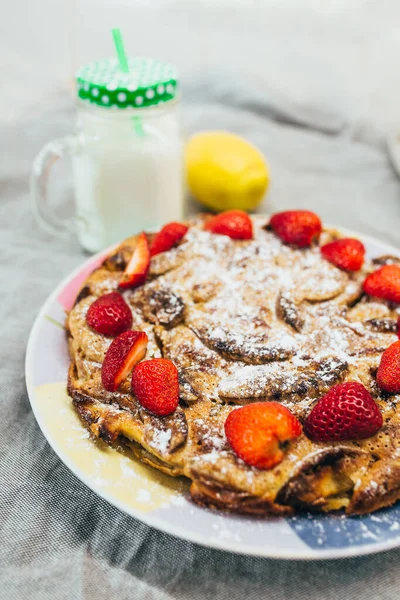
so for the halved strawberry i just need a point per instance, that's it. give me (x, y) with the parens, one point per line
(236, 224)
(388, 375)
(123, 354)
(346, 253)
(258, 433)
(384, 283)
(297, 227)
(138, 267)
(167, 237)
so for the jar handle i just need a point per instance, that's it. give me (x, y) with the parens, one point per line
(47, 157)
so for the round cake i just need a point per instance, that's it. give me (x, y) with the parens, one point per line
(276, 392)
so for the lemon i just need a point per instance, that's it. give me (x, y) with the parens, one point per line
(224, 171)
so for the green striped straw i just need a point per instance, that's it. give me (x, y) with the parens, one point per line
(120, 49)
(123, 65)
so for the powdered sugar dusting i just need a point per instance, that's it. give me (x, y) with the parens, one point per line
(161, 440)
(236, 318)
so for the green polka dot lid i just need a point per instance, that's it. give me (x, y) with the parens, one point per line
(148, 82)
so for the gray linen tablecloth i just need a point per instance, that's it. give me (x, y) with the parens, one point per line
(57, 539)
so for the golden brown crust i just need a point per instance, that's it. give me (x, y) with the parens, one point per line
(245, 321)
(208, 495)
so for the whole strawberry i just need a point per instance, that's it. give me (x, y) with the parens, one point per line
(347, 253)
(236, 224)
(297, 227)
(155, 385)
(109, 315)
(168, 237)
(384, 283)
(346, 412)
(123, 354)
(257, 432)
(388, 375)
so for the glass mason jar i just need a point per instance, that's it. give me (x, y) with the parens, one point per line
(127, 154)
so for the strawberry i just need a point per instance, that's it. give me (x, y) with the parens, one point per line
(398, 327)
(109, 314)
(123, 354)
(258, 433)
(388, 375)
(384, 283)
(155, 385)
(347, 253)
(236, 224)
(346, 412)
(138, 267)
(169, 235)
(297, 227)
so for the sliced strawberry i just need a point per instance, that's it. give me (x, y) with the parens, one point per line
(259, 432)
(384, 283)
(155, 385)
(346, 412)
(123, 354)
(236, 224)
(388, 375)
(297, 227)
(168, 237)
(138, 267)
(109, 314)
(346, 253)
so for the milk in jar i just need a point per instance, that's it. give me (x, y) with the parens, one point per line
(128, 159)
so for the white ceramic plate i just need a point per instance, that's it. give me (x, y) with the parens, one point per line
(159, 500)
